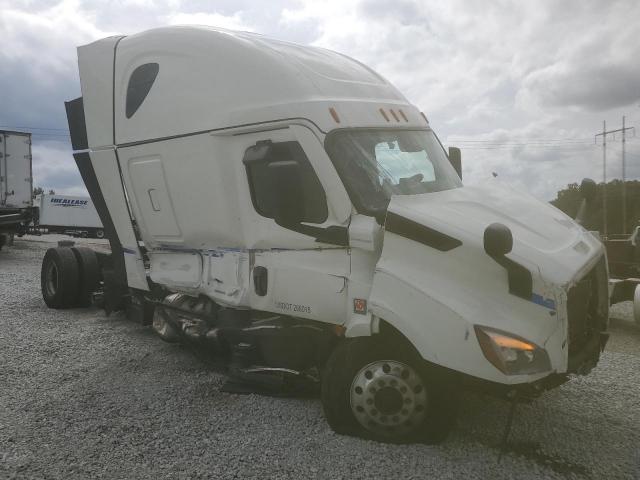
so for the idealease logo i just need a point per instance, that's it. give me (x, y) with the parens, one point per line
(68, 202)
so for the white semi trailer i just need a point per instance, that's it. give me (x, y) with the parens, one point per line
(301, 217)
(16, 184)
(75, 215)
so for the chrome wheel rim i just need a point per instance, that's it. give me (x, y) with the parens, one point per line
(389, 398)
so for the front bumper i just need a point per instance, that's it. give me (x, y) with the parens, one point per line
(523, 391)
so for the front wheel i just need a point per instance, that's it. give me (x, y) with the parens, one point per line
(386, 392)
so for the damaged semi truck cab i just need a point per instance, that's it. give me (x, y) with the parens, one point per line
(288, 207)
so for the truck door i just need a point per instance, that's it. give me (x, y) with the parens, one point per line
(291, 272)
(16, 170)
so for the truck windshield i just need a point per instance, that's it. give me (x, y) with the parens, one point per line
(377, 163)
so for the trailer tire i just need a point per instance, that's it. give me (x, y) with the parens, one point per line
(636, 305)
(99, 233)
(89, 274)
(413, 401)
(59, 278)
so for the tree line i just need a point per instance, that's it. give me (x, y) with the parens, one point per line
(569, 199)
(39, 191)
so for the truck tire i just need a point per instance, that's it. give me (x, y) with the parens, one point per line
(636, 305)
(99, 233)
(386, 392)
(89, 274)
(59, 278)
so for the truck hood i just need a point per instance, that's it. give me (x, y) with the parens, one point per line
(544, 238)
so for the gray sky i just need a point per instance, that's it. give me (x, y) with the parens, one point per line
(522, 87)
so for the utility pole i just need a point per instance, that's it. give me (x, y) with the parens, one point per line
(624, 183)
(604, 174)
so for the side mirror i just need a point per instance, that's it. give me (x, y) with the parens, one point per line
(286, 185)
(455, 158)
(498, 240)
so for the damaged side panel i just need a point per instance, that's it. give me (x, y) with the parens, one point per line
(226, 277)
(275, 281)
(182, 270)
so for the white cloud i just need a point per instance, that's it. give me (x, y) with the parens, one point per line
(54, 168)
(233, 22)
(44, 43)
(501, 71)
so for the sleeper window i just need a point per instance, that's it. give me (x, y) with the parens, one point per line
(140, 83)
(315, 202)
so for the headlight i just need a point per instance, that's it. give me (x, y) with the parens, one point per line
(510, 354)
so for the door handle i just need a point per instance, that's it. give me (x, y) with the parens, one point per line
(260, 280)
(153, 198)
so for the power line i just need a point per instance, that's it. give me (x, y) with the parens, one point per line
(33, 128)
(522, 145)
(50, 134)
(521, 140)
(510, 147)
(514, 144)
(532, 142)
(573, 139)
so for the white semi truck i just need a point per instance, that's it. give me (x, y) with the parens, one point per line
(74, 215)
(16, 184)
(287, 207)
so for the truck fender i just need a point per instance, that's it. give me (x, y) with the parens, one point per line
(429, 325)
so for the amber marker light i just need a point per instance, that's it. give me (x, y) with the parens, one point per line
(384, 114)
(511, 354)
(508, 342)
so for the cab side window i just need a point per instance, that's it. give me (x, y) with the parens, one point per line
(260, 183)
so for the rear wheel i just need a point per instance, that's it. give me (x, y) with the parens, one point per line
(59, 278)
(89, 274)
(386, 392)
(99, 233)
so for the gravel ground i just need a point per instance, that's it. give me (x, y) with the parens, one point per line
(83, 396)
